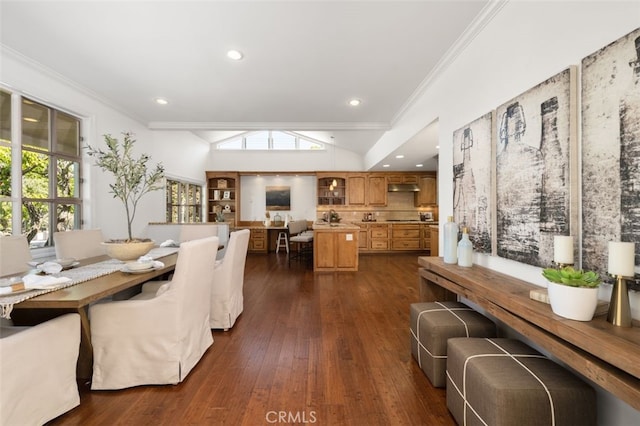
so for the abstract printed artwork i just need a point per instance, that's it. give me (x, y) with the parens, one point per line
(472, 148)
(278, 198)
(611, 150)
(534, 143)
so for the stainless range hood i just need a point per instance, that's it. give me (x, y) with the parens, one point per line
(403, 187)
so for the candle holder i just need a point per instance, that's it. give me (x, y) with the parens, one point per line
(619, 307)
(561, 265)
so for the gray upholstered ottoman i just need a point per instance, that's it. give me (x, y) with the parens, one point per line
(505, 382)
(432, 324)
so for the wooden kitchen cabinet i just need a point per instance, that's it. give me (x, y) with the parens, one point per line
(378, 236)
(363, 237)
(425, 237)
(357, 189)
(434, 240)
(428, 194)
(258, 240)
(335, 250)
(402, 178)
(328, 194)
(367, 189)
(405, 237)
(377, 190)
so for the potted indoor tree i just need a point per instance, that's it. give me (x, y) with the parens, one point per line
(573, 293)
(132, 180)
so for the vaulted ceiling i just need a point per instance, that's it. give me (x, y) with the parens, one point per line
(303, 60)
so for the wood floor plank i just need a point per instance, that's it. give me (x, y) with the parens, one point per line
(323, 348)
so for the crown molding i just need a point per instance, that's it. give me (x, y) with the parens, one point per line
(54, 75)
(267, 125)
(484, 17)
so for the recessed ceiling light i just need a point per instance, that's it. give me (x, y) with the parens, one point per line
(399, 156)
(385, 165)
(355, 102)
(236, 55)
(419, 165)
(437, 146)
(161, 101)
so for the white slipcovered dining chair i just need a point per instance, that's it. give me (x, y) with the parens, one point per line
(226, 296)
(38, 371)
(156, 337)
(14, 254)
(79, 243)
(196, 231)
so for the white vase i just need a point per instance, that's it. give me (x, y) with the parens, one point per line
(576, 303)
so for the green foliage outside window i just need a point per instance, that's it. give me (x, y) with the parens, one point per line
(41, 162)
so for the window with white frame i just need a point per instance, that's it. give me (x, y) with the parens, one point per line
(49, 171)
(270, 140)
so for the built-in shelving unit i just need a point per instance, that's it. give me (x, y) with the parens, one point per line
(222, 196)
(329, 194)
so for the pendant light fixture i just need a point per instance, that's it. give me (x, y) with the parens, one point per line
(333, 160)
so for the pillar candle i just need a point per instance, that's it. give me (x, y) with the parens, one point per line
(563, 249)
(622, 258)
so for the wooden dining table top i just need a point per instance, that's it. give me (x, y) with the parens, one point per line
(77, 298)
(89, 291)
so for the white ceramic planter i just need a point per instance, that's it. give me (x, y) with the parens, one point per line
(576, 303)
(128, 251)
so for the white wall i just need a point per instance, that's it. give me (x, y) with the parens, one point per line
(101, 209)
(282, 161)
(253, 200)
(523, 45)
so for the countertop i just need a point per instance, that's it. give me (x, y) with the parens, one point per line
(335, 227)
(400, 222)
(347, 225)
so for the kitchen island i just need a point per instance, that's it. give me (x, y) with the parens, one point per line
(335, 247)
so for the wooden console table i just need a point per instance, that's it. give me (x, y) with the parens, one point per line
(605, 354)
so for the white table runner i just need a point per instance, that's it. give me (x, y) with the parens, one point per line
(77, 276)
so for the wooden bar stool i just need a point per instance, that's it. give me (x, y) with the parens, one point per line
(283, 240)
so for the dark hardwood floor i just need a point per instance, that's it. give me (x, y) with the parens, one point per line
(326, 349)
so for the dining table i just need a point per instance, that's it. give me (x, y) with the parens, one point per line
(113, 283)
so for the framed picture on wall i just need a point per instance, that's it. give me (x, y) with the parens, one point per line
(611, 150)
(536, 169)
(278, 198)
(472, 184)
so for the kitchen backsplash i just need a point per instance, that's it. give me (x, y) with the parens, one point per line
(400, 206)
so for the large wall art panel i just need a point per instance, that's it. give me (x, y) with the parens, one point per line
(472, 183)
(611, 150)
(534, 195)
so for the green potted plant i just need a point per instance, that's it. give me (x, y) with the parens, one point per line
(573, 293)
(132, 180)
